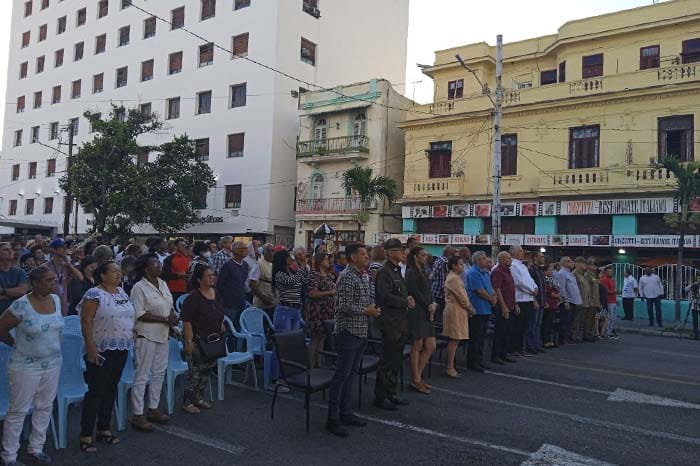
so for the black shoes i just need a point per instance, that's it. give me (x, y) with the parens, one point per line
(509, 359)
(398, 401)
(352, 421)
(498, 361)
(475, 368)
(386, 405)
(336, 429)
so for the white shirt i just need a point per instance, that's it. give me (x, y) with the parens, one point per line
(157, 301)
(628, 287)
(650, 286)
(525, 286)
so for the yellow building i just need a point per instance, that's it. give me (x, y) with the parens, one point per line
(586, 112)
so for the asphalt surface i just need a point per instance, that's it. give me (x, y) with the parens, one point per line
(550, 409)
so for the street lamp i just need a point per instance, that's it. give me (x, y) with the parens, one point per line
(543, 250)
(621, 251)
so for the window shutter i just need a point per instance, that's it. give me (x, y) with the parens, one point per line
(240, 45)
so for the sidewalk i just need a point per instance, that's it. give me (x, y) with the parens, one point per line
(641, 326)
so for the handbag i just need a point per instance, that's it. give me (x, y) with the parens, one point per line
(212, 347)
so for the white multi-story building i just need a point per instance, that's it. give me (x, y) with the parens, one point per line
(67, 57)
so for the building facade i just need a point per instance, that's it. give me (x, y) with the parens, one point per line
(353, 125)
(587, 113)
(236, 95)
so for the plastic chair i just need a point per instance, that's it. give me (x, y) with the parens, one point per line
(71, 385)
(71, 325)
(252, 322)
(121, 404)
(176, 367)
(233, 359)
(178, 303)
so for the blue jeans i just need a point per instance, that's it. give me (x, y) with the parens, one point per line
(350, 349)
(533, 340)
(285, 319)
(651, 304)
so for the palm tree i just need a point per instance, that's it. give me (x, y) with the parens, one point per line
(368, 188)
(687, 188)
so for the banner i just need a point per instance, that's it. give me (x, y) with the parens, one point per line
(462, 239)
(577, 240)
(512, 240)
(618, 207)
(536, 240)
(600, 240)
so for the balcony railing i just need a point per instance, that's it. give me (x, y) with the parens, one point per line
(607, 179)
(340, 205)
(332, 146)
(586, 86)
(676, 73)
(434, 188)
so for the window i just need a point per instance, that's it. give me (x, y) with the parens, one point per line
(233, 196)
(238, 95)
(359, 127)
(93, 128)
(26, 38)
(100, 43)
(23, 70)
(208, 9)
(562, 72)
(173, 108)
(50, 167)
(177, 18)
(199, 200)
(20, 104)
(455, 89)
(592, 66)
(649, 57)
(102, 8)
(18, 138)
(206, 54)
(142, 156)
(240, 45)
(548, 77)
(122, 76)
(13, 207)
(79, 50)
(308, 52)
(147, 70)
(440, 156)
(45, 4)
(320, 129)
(509, 155)
(29, 207)
(201, 147)
(40, 62)
(75, 124)
(58, 58)
(81, 17)
(75, 89)
(311, 7)
(236, 144)
(584, 147)
(691, 51)
(98, 83)
(53, 130)
(146, 109)
(175, 63)
(203, 102)
(149, 27)
(124, 33)
(32, 170)
(318, 186)
(43, 30)
(126, 4)
(676, 137)
(37, 99)
(48, 205)
(241, 4)
(56, 95)
(28, 8)
(61, 26)
(120, 114)
(15, 172)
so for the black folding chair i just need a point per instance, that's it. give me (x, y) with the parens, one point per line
(295, 371)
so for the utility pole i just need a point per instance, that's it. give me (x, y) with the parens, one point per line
(497, 115)
(69, 198)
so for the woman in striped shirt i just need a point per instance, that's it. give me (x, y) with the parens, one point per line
(289, 279)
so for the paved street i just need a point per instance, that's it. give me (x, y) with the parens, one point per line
(549, 409)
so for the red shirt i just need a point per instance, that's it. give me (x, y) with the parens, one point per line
(502, 279)
(179, 264)
(609, 283)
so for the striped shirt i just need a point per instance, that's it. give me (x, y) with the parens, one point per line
(438, 278)
(289, 286)
(219, 259)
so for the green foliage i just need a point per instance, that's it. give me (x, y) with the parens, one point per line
(368, 188)
(674, 220)
(107, 181)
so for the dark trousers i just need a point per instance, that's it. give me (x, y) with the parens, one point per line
(349, 349)
(576, 332)
(478, 325)
(520, 324)
(566, 319)
(651, 304)
(695, 314)
(628, 307)
(548, 325)
(501, 337)
(102, 389)
(439, 309)
(393, 341)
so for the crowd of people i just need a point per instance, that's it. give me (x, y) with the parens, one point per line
(127, 295)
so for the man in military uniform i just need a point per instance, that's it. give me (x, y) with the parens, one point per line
(589, 322)
(584, 285)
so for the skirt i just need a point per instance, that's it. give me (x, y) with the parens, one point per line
(455, 322)
(419, 325)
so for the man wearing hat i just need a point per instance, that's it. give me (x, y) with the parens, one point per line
(392, 298)
(64, 270)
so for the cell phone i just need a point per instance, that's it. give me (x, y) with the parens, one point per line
(100, 360)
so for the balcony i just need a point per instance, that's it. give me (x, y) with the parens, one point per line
(341, 206)
(435, 188)
(331, 149)
(631, 178)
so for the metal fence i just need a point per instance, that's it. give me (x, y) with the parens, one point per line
(667, 274)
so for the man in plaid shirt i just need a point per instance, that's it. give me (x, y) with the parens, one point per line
(220, 258)
(438, 275)
(353, 306)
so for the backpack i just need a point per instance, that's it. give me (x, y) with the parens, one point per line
(166, 272)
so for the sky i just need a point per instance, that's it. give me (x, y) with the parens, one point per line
(439, 24)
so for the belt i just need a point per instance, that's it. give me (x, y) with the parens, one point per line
(288, 304)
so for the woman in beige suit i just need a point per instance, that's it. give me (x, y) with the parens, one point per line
(458, 309)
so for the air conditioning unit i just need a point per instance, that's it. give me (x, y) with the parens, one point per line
(235, 213)
(525, 85)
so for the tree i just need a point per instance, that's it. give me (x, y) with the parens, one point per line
(109, 181)
(687, 176)
(368, 188)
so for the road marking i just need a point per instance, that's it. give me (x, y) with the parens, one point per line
(547, 382)
(552, 455)
(202, 440)
(635, 397)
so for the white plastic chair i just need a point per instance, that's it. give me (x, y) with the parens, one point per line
(233, 359)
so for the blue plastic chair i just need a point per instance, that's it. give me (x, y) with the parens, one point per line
(233, 359)
(176, 367)
(121, 404)
(71, 385)
(71, 325)
(252, 323)
(178, 303)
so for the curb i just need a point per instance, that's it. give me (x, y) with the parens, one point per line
(654, 333)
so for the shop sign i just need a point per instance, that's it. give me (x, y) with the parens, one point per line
(462, 239)
(618, 207)
(600, 240)
(429, 239)
(512, 240)
(536, 240)
(577, 240)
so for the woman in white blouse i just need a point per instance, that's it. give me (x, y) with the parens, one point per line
(153, 305)
(107, 319)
